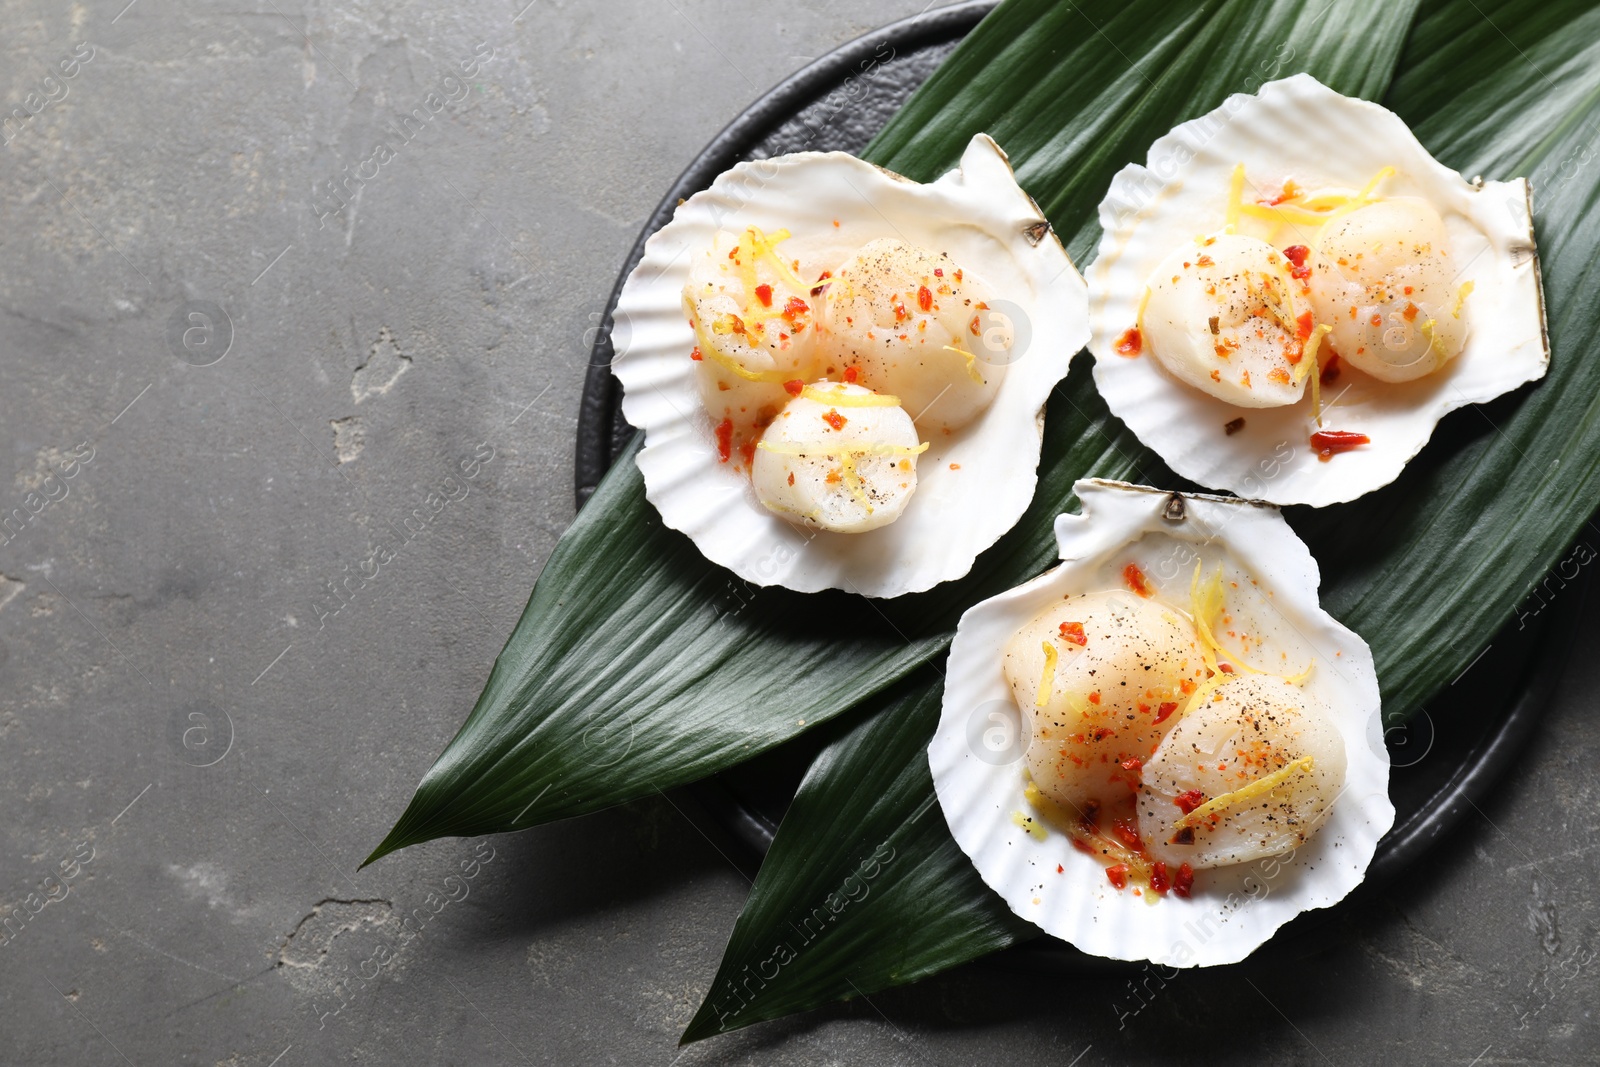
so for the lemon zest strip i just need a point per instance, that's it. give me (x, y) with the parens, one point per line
(1031, 825)
(844, 399)
(1047, 679)
(1434, 343)
(1206, 604)
(1235, 191)
(1300, 679)
(1308, 360)
(754, 245)
(710, 351)
(852, 481)
(1315, 211)
(1263, 785)
(972, 361)
(766, 247)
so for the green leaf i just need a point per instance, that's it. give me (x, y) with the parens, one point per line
(1534, 100)
(814, 924)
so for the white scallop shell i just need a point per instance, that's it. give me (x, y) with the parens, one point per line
(977, 758)
(973, 485)
(1299, 128)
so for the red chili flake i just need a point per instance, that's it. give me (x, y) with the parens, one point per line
(725, 439)
(975, 326)
(1131, 343)
(1159, 881)
(1410, 312)
(795, 308)
(1296, 255)
(1094, 697)
(1225, 668)
(820, 287)
(1073, 631)
(764, 294)
(1165, 711)
(1060, 869)
(834, 419)
(925, 298)
(1134, 577)
(1081, 845)
(1100, 733)
(791, 477)
(900, 312)
(1330, 369)
(851, 374)
(1204, 261)
(1377, 320)
(1183, 881)
(1329, 443)
(695, 355)
(1132, 763)
(748, 452)
(1187, 802)
(958, 275)
(1128, 834)
(794, 387)
(1304, 324)
(1407, 290)
(938, 272)
(1118, 876)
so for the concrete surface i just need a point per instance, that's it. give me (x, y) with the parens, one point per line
(223, 385)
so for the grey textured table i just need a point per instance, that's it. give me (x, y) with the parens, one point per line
(229, 374)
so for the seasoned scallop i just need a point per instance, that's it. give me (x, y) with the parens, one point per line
(1383, 280)
(838, 457)
(918, 325)
(1222, 315)
(1252, 771)
(1099, 674)
(754, 330)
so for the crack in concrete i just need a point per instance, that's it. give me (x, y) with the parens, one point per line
(311, 939)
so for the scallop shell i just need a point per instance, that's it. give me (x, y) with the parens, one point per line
(972, 485)
(1299, 128)
(977, 752)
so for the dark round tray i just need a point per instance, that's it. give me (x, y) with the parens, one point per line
(1444, 764)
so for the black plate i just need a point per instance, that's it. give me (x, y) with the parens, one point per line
(1445, 760)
